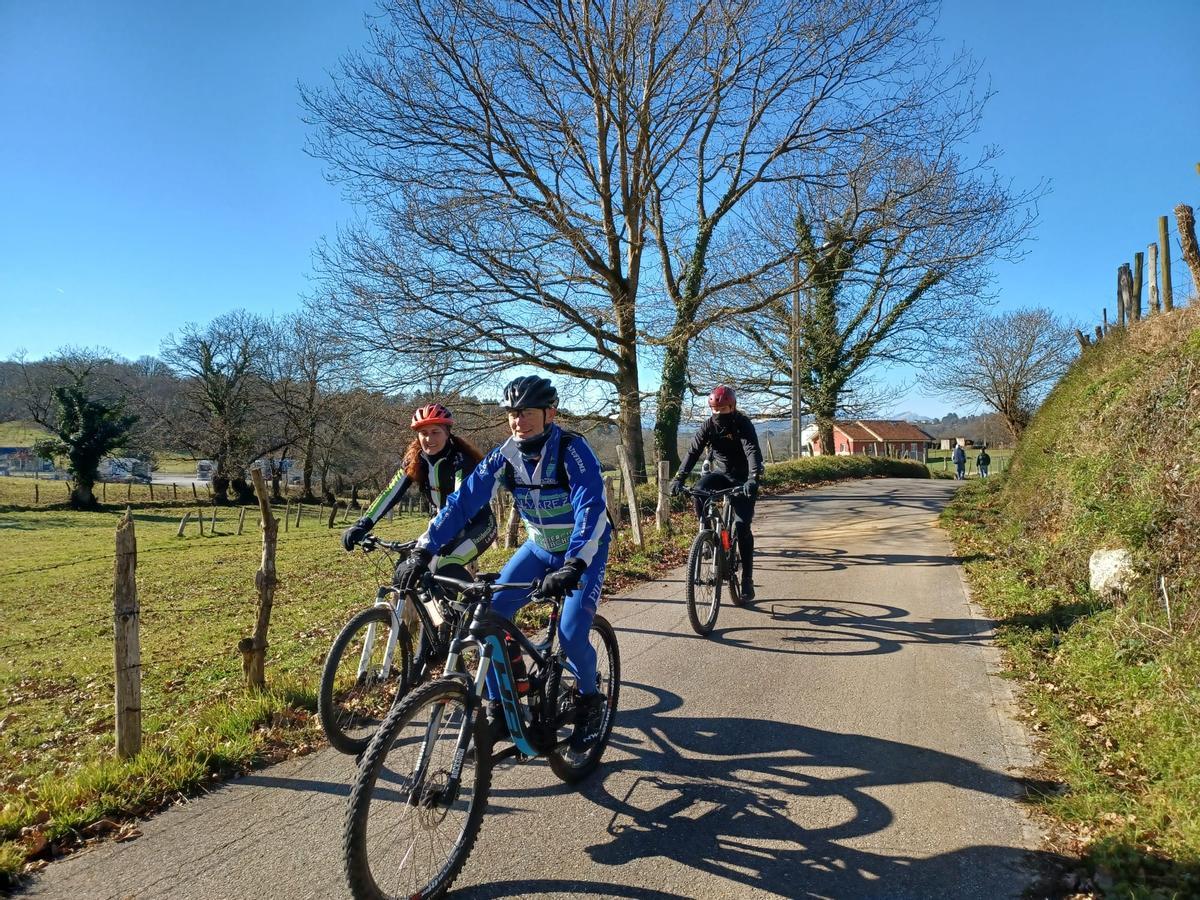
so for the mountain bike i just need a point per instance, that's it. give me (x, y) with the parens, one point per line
(376, 659)
(418, 802)
(713, 559)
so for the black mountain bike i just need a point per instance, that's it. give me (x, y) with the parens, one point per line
(713, 560)
(376, 659)
(418, 801)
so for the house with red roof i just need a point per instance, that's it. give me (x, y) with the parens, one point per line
(875, 437)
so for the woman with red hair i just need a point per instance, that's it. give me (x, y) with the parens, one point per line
(437, 462)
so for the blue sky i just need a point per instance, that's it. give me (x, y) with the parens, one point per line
(152, 169)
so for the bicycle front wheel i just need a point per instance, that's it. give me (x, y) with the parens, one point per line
(409, 827)
(358, 686)
(704, 582)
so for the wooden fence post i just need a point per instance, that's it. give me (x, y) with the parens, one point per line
(1164, 249)
(1153, 303)
(212, 529)
(128, 491)
(1099, 334)
(104, 492)
(287, 514)
(174, 491)
(183, 523)
(514, 522)
(332, 514)
(127, 651)
(195, 496)
(254, 648)
(152, 491)
(241, 519)
(299, 513)
(200, 517)
(662, 513)
(770, 450)
(614, 505)
(1122, 297)
(35, 493)
(635, 518)
(1136, 293)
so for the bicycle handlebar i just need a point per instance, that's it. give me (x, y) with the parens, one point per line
(703, 494)
(372, 541)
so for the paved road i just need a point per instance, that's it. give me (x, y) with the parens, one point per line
(842, 738)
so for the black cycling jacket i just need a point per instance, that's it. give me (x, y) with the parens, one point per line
(733, 445)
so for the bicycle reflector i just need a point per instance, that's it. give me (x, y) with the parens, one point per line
(725, 539)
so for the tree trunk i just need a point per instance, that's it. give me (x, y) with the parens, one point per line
(670, 403)
(631, 421)
(82, 496)
(310, 451)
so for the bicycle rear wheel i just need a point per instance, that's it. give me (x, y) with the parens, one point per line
(408, 831)
(564, 762)
(704, 582)
(357, 690)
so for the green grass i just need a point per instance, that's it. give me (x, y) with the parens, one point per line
(1113, 690)
(57, 766)
(20, 433)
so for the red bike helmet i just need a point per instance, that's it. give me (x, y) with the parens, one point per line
(722, 396)
(433, 414)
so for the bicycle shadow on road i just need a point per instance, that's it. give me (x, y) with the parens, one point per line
(826, 628)
(836, 559)
(767, 805)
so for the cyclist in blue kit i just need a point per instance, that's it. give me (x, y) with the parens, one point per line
(555, 480)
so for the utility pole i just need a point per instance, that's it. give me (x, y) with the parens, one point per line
(796, 359)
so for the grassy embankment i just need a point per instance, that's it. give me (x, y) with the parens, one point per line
(1112, 688)
(197, 595)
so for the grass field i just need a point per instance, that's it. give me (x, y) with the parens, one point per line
(20, 433)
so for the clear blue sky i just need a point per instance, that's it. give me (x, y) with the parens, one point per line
(152, 168)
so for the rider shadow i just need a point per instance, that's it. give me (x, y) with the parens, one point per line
(825, 628)
(771, 806)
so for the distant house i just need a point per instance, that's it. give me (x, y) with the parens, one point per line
(23, 459)
(951, 443)
(874, 437)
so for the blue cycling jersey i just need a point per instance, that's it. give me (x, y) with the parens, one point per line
(570, 520)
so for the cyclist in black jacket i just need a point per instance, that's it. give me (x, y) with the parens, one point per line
(732, 445)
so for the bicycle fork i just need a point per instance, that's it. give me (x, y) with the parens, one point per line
(364, 660)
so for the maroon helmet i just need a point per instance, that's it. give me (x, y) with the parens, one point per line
(722, 396)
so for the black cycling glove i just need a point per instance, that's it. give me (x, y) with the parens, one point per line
(563, 580)
(409, 571)
(355, 533)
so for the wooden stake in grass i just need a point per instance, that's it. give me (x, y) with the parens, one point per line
(1137, 287)
(614, 505)
(213, 526)
(152, 491)
(287, 515)
(200, 517)
(35, 493)
(1152, 273)
(299, 513)
(662, 512)
(254, 648)
(127, 651)
(183, 523)
(128, 491)
(241, 519)
(104, 492)
(635, 518)
(174, 491)
(332, 514)
(1164, 247)
(195, 496)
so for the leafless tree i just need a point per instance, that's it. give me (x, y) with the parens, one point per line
(306, 376)
(1008, 363)
(891, 254)
(519, 161)
(227, 414)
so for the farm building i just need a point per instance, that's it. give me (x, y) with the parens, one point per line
(23, 459)
(874, 437)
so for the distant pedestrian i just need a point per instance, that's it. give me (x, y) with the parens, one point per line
(960, 462)
(983, 461)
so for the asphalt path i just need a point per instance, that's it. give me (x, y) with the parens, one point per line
(845, 736)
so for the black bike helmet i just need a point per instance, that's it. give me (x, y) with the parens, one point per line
(529, 392)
